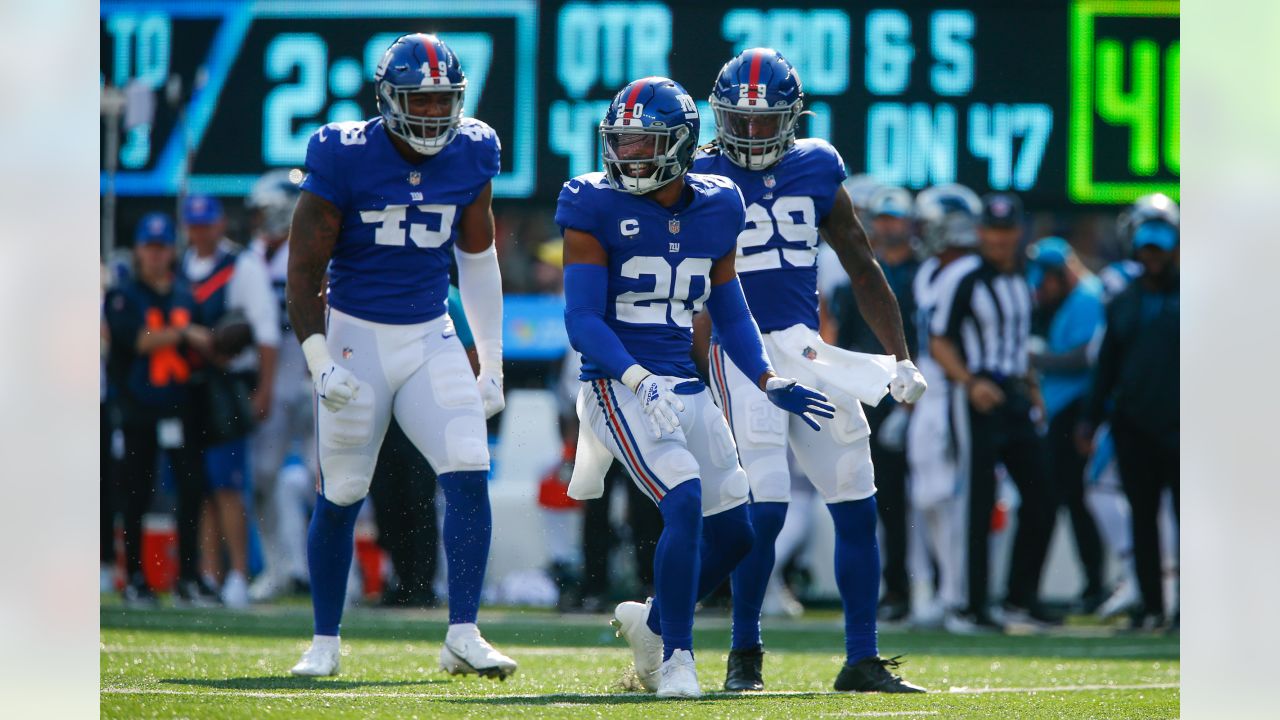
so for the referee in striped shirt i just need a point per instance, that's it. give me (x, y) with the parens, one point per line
(979, 336)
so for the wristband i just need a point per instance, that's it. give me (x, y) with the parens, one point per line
(634, 376)
(316, 352)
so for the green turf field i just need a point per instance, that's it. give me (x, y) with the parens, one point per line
(218, 664)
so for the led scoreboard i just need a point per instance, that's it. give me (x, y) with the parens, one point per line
(1066, 101)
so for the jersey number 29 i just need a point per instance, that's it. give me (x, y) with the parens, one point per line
(670, 294)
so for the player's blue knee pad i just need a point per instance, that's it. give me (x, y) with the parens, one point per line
(855, 520)
(731, 533)
(681, 508)
(767, 519)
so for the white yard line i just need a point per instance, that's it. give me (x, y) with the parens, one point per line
(316, 693)
(299, 646)
(1062, 688)
(882, 714)
(1113, 651)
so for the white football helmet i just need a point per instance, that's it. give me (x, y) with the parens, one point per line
(948, 216)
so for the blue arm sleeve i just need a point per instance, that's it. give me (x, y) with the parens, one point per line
(585, 293)
(737, 329)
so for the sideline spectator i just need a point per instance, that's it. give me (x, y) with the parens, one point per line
(233, 295)
(108, 424)
(1136, 388)
(283, 450)
(150, 321)
(1069, 313)
(947, 218)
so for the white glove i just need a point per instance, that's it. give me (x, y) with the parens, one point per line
(661, 405)
(490, 384)
(908, 385)
(335, 385)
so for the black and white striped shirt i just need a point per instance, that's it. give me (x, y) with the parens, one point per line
(988, 317)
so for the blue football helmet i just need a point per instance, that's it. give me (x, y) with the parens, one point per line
(414, 64)
(757, 99)
(649, 134)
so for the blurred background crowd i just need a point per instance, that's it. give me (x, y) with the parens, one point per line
(1038, 477)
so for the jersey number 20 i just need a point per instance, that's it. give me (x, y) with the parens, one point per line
(670, 294)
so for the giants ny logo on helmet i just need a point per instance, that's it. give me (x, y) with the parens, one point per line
(649, 134)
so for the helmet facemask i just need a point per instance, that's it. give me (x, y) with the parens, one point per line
(640, 159)
(427, 135)
(755, 138)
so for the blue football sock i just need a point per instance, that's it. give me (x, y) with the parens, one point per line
(857, 574)
(468, 524)
(676, 568)
(751, 578)
(726, 539)
(330, 544)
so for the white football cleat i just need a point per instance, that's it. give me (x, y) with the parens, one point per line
(678, 678)
(1126, 597)
(235, 591)
(465, 652)
(320, 660)
(631, 623)
(267, 587)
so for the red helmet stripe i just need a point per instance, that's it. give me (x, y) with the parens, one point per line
(755, 74)
(631, 99)
(432, 59)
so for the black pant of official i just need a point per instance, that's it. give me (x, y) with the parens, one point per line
(1147, 467)
(598, 538)
(137, 483)
(1007, 434)
(891, 502)
(1068, 471)
(404, 505)
(106, 481)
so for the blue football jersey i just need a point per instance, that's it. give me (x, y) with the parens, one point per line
(778, 250)
(659, 262)
(399, 219)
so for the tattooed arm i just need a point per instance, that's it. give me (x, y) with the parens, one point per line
(314, 232)
(876, 302)
(316, 223)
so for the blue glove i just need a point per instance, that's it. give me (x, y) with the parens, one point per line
(800, 400)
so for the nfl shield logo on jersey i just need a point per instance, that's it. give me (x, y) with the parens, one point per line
(673, 225)
(770, 180)
(415, 178)
(809, 353)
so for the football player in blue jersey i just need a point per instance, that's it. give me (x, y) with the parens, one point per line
(387, 206)
(793, 194)
(646, 244)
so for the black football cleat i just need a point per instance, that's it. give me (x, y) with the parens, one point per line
(872, 675)
(745, 670)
